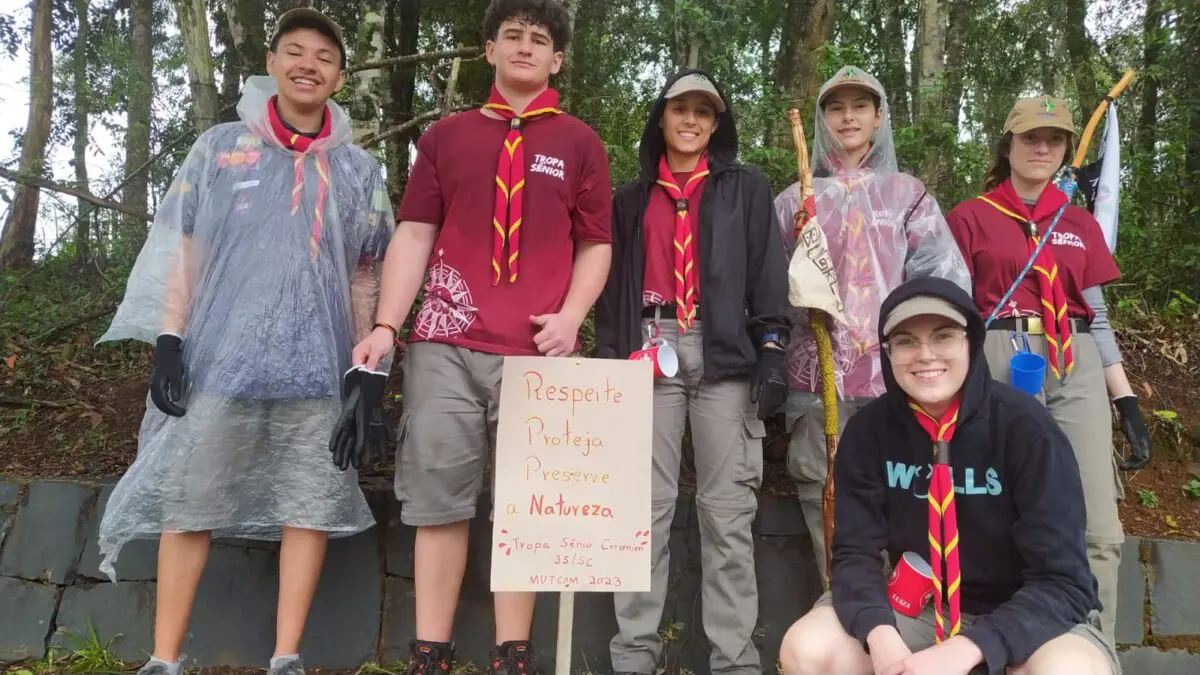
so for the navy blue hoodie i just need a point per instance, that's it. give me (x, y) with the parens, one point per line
(1019, 498)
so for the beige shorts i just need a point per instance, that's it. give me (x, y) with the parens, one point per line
(447, 432)
(920, 633)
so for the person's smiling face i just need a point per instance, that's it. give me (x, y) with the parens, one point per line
(688, 123)
(307, 66)
(851, 117)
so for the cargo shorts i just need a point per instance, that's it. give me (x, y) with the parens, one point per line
(447, 433)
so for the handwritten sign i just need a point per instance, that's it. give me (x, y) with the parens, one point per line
(572, 503)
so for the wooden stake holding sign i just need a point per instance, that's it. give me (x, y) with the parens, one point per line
(572, 495)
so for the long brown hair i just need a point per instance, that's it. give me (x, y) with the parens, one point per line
(1001, 169)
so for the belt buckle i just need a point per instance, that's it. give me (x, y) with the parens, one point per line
(1033, 325)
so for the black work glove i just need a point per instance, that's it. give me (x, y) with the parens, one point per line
(345, 431)
(374, 429)
(1134, 427)
(769, 385)
(167, 378)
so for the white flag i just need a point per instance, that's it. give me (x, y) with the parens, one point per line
(1108, 197)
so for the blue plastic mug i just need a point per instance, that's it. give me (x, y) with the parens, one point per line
(1027, 371)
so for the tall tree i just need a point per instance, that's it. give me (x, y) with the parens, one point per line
(193, 24)
(79, 62)
(1152, 43)
(894, 77)
(934, 19)
(401, 31)
(806, 28)
(16, 244)
(243, 32)
(366, 87)
(1080, 50)
(140, 86)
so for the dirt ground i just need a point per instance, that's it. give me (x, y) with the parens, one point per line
(68, 409)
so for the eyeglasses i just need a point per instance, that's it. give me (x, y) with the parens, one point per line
(944, 344)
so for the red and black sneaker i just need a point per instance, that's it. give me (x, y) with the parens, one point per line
(513, 658)
(430, 658)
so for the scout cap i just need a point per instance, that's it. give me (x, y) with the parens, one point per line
(1038, 112)
(696, 82)
(310, 16)
(923, 304)
(850, 76)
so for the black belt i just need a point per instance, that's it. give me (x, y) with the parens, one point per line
(1033, 325)
(661, 312)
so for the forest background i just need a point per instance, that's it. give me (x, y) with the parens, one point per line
(106, 96)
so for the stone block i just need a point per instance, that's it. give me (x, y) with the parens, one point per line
(399, 542)
(122, 615)
(399, 619)
(6, 520)
(46, 537)
(789, 584)
(138, 559)
(1174, 592)
(10, 493)
(25, 620)
(780, 518)
(1151, 661)
(343, 625)
(1131, 595)
(233, 618)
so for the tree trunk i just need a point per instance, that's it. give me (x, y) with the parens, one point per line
(564, 74)
(137, 134)
(249, 35)
(16, 243)
(193, 25)
(1152, 41)
(799, 65)
(934, 17)
(895, 75)
(370, 45)
(83, 228)
(401, 31)
(231, 63)
(1080, 50)
(962, 18)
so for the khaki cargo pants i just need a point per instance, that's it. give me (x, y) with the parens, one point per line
(1080, 405)
(727, 440)
(804, 415)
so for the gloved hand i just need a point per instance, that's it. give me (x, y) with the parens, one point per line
(362, 435)
(167, 379)
(344, 436)
(769, 385)
(1134, 427)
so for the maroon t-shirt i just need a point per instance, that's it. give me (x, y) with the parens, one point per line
(658, 286)
(994, 246)
(452, 184)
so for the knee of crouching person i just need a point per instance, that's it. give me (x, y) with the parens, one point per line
(804, 651)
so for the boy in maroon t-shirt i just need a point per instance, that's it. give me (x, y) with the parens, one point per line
(508, 209)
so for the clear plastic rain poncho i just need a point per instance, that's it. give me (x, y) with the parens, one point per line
(265, 261)
(882, 228)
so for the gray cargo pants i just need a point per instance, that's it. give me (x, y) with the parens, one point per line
(727, 440)
(1080, 405)
(804, 415)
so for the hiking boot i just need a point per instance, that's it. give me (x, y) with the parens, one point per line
(429, 658)
(513, 658)
(286, 667)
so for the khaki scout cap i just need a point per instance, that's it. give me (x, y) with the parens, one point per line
(850, 76)
(699, 83)
(1038, 112)
(308, 13)
(922, 304)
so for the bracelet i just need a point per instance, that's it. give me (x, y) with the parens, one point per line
(395, 333)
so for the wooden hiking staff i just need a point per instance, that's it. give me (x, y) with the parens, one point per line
(819, 323)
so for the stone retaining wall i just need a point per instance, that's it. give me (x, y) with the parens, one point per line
(52, 593)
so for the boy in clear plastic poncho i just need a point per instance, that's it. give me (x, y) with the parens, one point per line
(257, 277)
(882, 228)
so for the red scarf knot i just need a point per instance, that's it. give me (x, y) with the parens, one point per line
(943, 519)
(686, 295)
(510, 179)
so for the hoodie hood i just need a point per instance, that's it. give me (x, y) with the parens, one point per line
(975, 389)
(252, 109)
(722, 147)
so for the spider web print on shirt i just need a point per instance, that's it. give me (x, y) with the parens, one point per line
(447, 310)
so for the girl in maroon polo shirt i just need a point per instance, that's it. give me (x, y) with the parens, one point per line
(1058, 308)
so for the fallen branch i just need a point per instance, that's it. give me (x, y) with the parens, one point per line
(74, 192)
(370, 140)
(22, 402)
(73, 323)
(411, 59)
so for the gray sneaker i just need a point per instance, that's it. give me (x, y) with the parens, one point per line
(289, 667)
(154, 669)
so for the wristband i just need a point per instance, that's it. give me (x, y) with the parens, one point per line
(380, 324)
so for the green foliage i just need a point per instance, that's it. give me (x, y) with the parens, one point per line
(1148, 498)
(1192, 488)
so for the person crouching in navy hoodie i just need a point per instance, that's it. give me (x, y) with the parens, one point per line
(948, 451)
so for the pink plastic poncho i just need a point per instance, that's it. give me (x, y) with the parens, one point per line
(882, 228)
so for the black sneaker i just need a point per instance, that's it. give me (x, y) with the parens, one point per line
(513, 658)
(429, 658)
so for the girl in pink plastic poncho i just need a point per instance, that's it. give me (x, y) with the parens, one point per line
(882, 228)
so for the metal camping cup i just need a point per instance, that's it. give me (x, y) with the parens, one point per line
(911, 585)
(657, 351)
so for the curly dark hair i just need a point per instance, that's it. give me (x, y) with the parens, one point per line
(548, 14)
